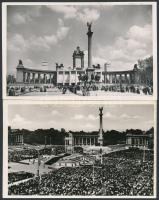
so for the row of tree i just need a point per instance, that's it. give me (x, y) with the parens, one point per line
(57, 137)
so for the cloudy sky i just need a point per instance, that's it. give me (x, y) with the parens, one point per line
(81, 117)
(122, 34)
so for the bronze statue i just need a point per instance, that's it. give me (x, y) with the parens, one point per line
(89, 24)
(20, 62)
(100, 109)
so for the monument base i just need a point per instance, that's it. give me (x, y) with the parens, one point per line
(100, 141)
(90, 72)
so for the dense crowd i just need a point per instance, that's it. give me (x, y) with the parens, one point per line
(118, 175)
(23, 154)
(147, 90)
(16, 156)
(17, 176)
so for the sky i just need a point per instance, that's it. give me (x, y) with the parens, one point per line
(82, 117)
(122, 34)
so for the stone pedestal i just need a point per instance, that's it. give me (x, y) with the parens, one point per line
(89, 72)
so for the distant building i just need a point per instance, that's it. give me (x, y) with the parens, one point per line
(86, 139)
(15, 137)
(139, 140)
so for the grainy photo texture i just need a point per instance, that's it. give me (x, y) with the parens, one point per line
(96, 150)
(80, 50)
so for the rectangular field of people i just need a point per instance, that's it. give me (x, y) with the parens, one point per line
(73, 149)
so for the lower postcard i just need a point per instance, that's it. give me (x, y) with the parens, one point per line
(103, 149)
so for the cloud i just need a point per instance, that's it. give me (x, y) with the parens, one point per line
(136, 33)
(68, 11)
(88, 125)
(19, 43)
(126, 50)
(98, 60)
(125, 116)
(88, 15)
(18, 120)
(19, 18)
(108, 115)
(73, 12)
(78, 117)
(29, 63)
(23, 18)
(129, 117)
(48, 40)
(91, 117)
(150, 123)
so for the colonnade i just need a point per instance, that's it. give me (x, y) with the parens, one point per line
(33, 77)
(16, 139)
(127, 78)
(85, 141)
(68, 77)
(137, 141)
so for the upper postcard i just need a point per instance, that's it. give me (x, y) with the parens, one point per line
(80, 51)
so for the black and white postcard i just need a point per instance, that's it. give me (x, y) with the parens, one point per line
(80, 51)
(79, 99)
(80, 150)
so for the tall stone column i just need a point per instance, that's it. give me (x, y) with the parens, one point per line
(126, 78)
(50, 78)
(82, 62)
(100, 138)
(24, 75)
(76, 78)
(111, 78)
(120, 78)
(69, 77)
(28, 77)
(63, 78)
(39, 78)
(74, 62)
(44, 78)
(34, 78)
(115, 78)
(89, 33)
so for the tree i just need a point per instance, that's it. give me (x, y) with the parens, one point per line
(146, 70)
(10, 79)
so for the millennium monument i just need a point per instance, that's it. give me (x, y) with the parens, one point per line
(89, 139)
(70, 76)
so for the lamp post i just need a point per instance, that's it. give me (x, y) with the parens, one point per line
(45, 141)
(38, 163)
(144, 149)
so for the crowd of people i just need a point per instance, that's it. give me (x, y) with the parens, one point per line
(23, 154)
(17, 176)
(147, 90)
(16, 156)
(118, 175)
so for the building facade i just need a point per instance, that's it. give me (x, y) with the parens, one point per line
(15, 137)
(139, 140)
(86, 139)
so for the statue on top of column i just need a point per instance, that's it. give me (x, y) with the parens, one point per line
(100, 109)
(20, 62)
(89, 24)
